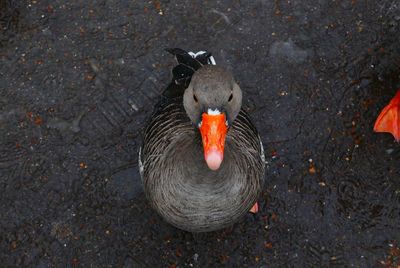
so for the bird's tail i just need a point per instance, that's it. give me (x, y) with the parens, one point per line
(188, 63)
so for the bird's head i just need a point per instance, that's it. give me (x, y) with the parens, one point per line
(212, 101)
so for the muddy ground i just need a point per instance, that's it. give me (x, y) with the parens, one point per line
(79, 78)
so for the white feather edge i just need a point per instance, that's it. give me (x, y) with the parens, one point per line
(194, 55)
(141, 168)
(211, 59)
(262, 150)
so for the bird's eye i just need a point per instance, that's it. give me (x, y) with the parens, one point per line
(195, 98)
(230, 97)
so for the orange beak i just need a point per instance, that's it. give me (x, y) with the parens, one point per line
(389, 119)
(213, 132)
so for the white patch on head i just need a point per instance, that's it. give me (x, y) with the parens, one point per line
(210, 60)
(213, 112)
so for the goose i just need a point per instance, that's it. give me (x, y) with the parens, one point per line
(201, 161)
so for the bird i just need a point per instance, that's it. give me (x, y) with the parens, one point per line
(201, 160)
(389, 118)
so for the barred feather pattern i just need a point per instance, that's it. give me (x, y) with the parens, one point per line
(177, 181)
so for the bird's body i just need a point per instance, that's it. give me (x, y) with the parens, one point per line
(179, 183)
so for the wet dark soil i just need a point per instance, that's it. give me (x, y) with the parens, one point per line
(79, 78)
